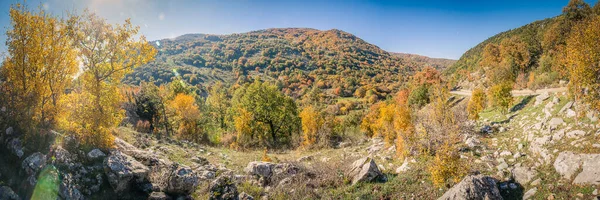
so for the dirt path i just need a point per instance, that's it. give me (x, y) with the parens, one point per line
(517, 92)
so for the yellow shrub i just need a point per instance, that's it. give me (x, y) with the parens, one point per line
(446, 165)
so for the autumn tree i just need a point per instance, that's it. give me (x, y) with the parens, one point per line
(264, 116)
(41, 63)
(491, 55)
(312, 123)
(187, 114)
(577, 10)
(107, 52)
(583, 62)
(476, 103)
(500, 96)
(218, 102)
(515, 53)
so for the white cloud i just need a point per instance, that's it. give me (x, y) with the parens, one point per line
(161, 16)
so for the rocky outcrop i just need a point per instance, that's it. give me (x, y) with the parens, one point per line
(474, 187)
(96, 154)
(8, 194)
(567, 164)
(123, 171)
(223, 188)
(245, 196)
(364, 170)
(523, 175)
(261, 169)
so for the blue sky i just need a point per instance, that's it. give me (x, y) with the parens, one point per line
(435, 28)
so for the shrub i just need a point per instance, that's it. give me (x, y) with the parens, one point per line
(476, 103)
(419, 97)
(446, 165)
(500, 96)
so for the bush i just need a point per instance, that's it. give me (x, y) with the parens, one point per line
(476, 103)
(419, 97)
(446, 165)
(500, 96)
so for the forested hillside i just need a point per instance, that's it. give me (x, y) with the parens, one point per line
(534, 54)
(334, 61)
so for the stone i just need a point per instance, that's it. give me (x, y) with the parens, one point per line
(96, 154)
(34, 163)
(592, 116)
(364, 170)
(595, 192)
(404, 167)
(568, 164)
(502, 166)
(200, 160)
(555, 100)
(10, 131)
(223, 188)
(487, 129)
(474, 187)
(258, 168)
(305, 158)
(67, 189)
(555, 123)
(541, 98)
(505, 153)
(529, 193)
(123, 171)
(567, 106)
(536, 182)
(182, 181)
(62, 156)
(16, 147)
(571, 113)
(8, 194)
(472, 142)
(245, 196)
(523, 174)
(158, 196)
(576, 134)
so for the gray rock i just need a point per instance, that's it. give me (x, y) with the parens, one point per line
(8, 194)
(200, 160)
(555, 123)
(10, 131)
(245, 196)
(541, 98)
(364, 170)
(67, 189)
(567, 106)
(523, 175)
(474, 187)
(576, 134)
(182, 181)
(223, 188)
(571, 113)
(16, 147)
(159, 196)
(592, 115)
(529, 193)
(505, 153)
(34, 163)
(502, 166)
(123, 171)
(568, 164)
(62, 156)
(472, 142)
(261, 169)
(96, 154)
(404, 167)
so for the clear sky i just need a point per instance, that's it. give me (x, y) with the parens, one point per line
(435, 28)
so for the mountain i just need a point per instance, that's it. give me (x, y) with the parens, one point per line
(419, 60)
(297, 58)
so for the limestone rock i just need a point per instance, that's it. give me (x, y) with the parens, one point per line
(529, 193)
(16, 147)
(245, 196)
(567, 106)
(158, 196)
(96, 154)
(182, 181)
(541, 98)
(555, 123)
(568, 164)
(223, 188)
(523, 175)
(34, 163)
(364, 170)
(576, 134)
(474, 187)
(261, 169)
(123, 171)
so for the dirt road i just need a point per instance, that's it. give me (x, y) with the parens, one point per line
(517, 92)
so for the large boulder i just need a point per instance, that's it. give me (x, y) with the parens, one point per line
(68, 190)
(182, 181)
(474, 187)
(34, 163)
(541, 98)
(223, 188)
(523, 175)
(16, 147)
(568, 164)
(8, 194)
(364, 170)
(123, 171)
(96, 154)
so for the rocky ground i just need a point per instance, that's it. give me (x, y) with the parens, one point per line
(536, 151)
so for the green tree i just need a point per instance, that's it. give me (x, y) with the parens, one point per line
(265, 114)
(577, 10)
(500, 96)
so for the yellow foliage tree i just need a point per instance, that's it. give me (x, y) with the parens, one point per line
(476, 103)
(187, 114)
(107, 53)
(583, 62)
(312, 122)
(40, 65)
(500, 96)
(446, 165)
